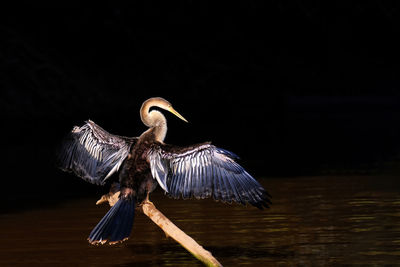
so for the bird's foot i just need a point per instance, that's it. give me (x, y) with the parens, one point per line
(146, 201)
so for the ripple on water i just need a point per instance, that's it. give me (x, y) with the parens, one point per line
(313, 221)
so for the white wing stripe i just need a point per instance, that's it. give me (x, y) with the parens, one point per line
(94, 154)
(202, 171)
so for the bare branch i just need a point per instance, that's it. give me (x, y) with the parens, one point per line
(169, 228)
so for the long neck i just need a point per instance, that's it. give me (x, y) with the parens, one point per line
(155, 120)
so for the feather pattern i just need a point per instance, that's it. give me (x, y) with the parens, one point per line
(94, 154)
(202, 171)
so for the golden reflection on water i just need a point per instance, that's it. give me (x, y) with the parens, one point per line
(316, 221)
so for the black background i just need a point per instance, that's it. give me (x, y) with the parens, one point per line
(294, 88)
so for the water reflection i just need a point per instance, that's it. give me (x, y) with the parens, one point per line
(313, 221)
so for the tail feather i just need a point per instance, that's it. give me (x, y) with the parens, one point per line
(116, 225)
(123, 222)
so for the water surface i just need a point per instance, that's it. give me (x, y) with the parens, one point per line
(321, 221)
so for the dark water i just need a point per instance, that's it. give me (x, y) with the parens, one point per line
(320, 221)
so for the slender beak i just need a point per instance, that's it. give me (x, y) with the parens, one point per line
(173, 111)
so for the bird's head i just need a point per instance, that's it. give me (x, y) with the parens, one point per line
(164, 104)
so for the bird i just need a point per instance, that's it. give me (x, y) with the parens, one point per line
(196, 171)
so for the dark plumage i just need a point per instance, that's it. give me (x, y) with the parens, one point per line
(203, 171)
(199, 171)
(93, 154)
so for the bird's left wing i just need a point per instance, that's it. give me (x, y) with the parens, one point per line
(94, 154)
(202, 171)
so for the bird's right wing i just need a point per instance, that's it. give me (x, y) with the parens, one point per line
(94, 154)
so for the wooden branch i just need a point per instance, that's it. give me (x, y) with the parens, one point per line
(112, 197)
(178, 235)
(169, 228)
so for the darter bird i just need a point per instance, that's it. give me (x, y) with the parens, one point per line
(199, 171)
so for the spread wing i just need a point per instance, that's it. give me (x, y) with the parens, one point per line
(203, 171)
(94, 154)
